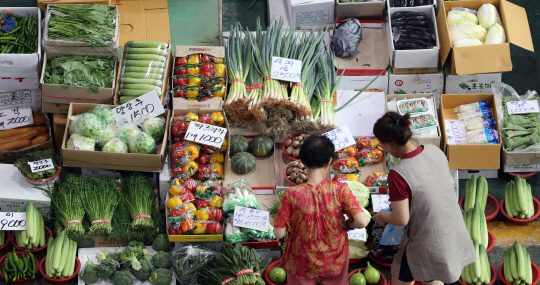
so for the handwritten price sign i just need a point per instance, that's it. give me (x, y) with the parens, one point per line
(12, 221)
(286, 69)
(15, 117)
(205, 134)
(380, 202)
(143, 107)
(455, 132)
(341, 137)
(41, 165)
(251, 218)
(522, 107)
(357, 234)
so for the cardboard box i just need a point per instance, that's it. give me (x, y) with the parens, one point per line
(20, 71)
(417, 58)
(54, 108)
(470, 83)
(55, 93)
(16, 192)
(310, 12)
(114, 161)
(59, 128)
(421, 140)
(469, 156)
(436, 4)
(366, 108)
(485, 58)
(21, 98)
(373, 9)
(417, 84)
(183, 104)
(527, 160)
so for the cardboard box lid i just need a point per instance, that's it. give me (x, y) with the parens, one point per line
(372, 9)
(217, 51)
(143, 20)
(514, 20)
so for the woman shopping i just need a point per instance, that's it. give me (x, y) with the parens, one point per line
(435, 246)
(312, 214)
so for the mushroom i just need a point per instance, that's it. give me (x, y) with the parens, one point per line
(299, 181)
(301, 165)
(289, 171)
(295, 153)
(296, 170)
(288, 143)
(293, 176)
(300, 138)
(296, 144)
(289, 150)
(303, 176)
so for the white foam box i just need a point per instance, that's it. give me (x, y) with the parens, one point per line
(417, 83)
(360, 114)
(30, 97)
(487, 173)
(16, 192)
(310, 12)
(522, 168)
(470, 83)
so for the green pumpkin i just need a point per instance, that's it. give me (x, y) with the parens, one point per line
(243, 162)
(238, 144)
(261, 146)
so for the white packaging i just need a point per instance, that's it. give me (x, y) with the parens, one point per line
(417, 84)
(413, 106)
(21, 98)
(311, 12)
(16, 192)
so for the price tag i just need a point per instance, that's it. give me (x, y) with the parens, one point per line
(89, 172)
(341, 137)
(136, 110)
(41, 165)
(522, 107)
(205, 134)
(12, 221)
(358, 234)
(455, 132)
(15, 117)
(380, 202)
(286, 69)
(251, 218)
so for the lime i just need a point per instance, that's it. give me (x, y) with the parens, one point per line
(357, 279)
(277, 275)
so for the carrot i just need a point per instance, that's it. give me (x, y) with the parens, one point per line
(22, 136)
(40, 139)
(13, 132)
(15, 145)
(39, 121)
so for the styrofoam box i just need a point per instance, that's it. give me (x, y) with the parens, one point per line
(522, 168)
(487, 173)
(21, 98)
(16, 192)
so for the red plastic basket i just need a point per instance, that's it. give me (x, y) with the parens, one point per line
(354, 260)
(492, 207)
(48, 234)
(285, 175)
(493, 277)
(522, 221)
(535, 273)
(526, 175)
(380, 261)
(7, 240)
(382, 281)
(284, 148)
(63, 280)
(18, 281)
(271, 266)
(412, 283)
(491, 241)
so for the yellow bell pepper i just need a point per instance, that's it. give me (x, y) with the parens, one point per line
(192, 117)
(202, 215)
(217, 157)
(190, 208)
(194, 58)
(193, 91)
(352, 177)
(218, 119)
(224, 145)
(176, 190)
(220, 68)
(195, 80)
(216, 202)
(200, 228)
(219, 60)
(194, 69)
(218, 90)
(174, 202)
(218, 168)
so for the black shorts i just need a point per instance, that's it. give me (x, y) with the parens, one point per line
(405, 274)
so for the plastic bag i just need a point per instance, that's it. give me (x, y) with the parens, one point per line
(423, 121)
(116, 145)
(484, 113)
(392, 234)
(104, 113)
(188, 260)
(107, 134)
(127, 132)
(155, 127)
(234, 234)
(79, 142)
(345, 40)
(239, 193)
(255, 235)
(482, 136)
(143, 143)
(88, 125)
(478, 124)
(471, 106)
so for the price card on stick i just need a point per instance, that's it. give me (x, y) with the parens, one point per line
(251, 218)
(205, 134)
(41, 165)
(522, 107)
(11, 221)
(358, 234)
(380, 202)
(15, 117)
(136, 110)
(341, 137)
(286, 69)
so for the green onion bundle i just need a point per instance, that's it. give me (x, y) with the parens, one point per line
(324, 92)
(140, 198)
(238, 64)
(100, 198)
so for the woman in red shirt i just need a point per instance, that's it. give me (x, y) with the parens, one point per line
(312, 214)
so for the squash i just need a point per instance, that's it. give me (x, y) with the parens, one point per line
(238, 144)
(243, 162)
(261, 146)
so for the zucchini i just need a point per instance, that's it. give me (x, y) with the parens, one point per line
(486, 270)
(477, 267)
(143, 69)
(515, 198)
(158, 51)
(70, 264)
(65, 251)
(146, 44)
(523, 205)
(513, 263)
(141, 87)
(507, 201)
(484, 229)
(125, 99)
(24, 238)
(132, 92)
(482, 192)
(50, 244)
(35, 239)
(57, 254)
(143, 63)
(152, 57)
(142, 75)
(30, 223)
(520, 260)
(506, 267)
(130, 80)
(528, 268)
(530, 211)
(42, 230)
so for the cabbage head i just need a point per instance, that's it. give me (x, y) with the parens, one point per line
(468, 32)
(467, 43)
(488, 16)
(116, 145)
(127, 132)
(106, 135)
(104, 114)
(155, 127)
(358, 249)
(89, 125)
(79, 142)
(359, 191)
(143, 143)
(496, 35)
(461, 18)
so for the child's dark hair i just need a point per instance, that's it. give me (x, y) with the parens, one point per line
(393, 128)
(316, 151)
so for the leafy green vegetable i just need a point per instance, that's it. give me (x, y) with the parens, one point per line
(22, 164)
(93, 23)
(189, 260)
(360, 192)
(81, 71)
(139, 197)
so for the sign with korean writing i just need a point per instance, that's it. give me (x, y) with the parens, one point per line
(522, 107)
(89, 172)
(286, 69)
(251, 218)
(136, 110)
(15, 117)
(341, 137)
(380, 202)
(358, 234)
(205, 134)
(41, 165)
(455, 132)
(12, 221)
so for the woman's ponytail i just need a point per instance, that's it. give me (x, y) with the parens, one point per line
(393, 128)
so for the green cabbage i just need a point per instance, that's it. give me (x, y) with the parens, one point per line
(468, 32)
(79, 142)
(358, 249)
(89, 125)
(359, 191)
(467, 43)
(116, 145)
(104, 114)
(496, 35)
(488, 16)
(155, 127)
(461, 18)
(143, 143)
(106, 135)
(128, 132)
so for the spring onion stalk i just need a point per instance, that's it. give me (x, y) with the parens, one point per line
(254, 81)
(140, 198)
(238, 63)
(99, 198)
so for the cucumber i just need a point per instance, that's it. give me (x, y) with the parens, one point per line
(65, 251)
(129, 80)
(125, 99)
(507, 202)
(57, 254)
(486, 270)
(506, 267)
(143, 63)
(473, 185)
(73, 256)
(477, 267)
(42, 231)
(484, 229)
(520, 261)
(530, 211)
(481, 197)
(158, 51)
(24, 239)
(142, 75)
(132, 92)
(143, 69)
(70, 263)
(152, 57)
(522, 195)
(464, 275)
(513, 263)
(529, 278)
(146, 44)
(515, 198)
(35, 239)
(141, 87)
(48, 258)
(30, 223)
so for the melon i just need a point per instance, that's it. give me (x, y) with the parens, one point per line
(238, 144)
(261, 146)
(243, 162)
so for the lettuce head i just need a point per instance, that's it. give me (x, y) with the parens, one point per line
(359, 191)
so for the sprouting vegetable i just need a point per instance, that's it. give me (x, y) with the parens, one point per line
(161, 276)
(100, 198)
(162, 260)
(89, 273)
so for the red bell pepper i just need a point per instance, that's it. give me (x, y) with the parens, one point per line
(200, 204)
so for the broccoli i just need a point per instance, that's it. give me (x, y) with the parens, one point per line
(161, 243)
(129, 259)
(144, 272)
(107, 267)
(162, 260)
(122, 277)
(161, 276)
(102, 255)
(148, 257)
(115, 256)
(89, 274)
(136, 244)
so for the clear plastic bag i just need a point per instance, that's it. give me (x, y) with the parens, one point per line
(87, 125)
(127, 132)
(482, 136)
(115, 145)
(239, 193)
(107, 134)
(155, 127)
(423, 121)
(105, 114)
(345, 41)
(484, 113)
(187, 262)
(392, 234)
(472, 106)
(79, 142)
(255, 235)
(478, 123)
(143, 143)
